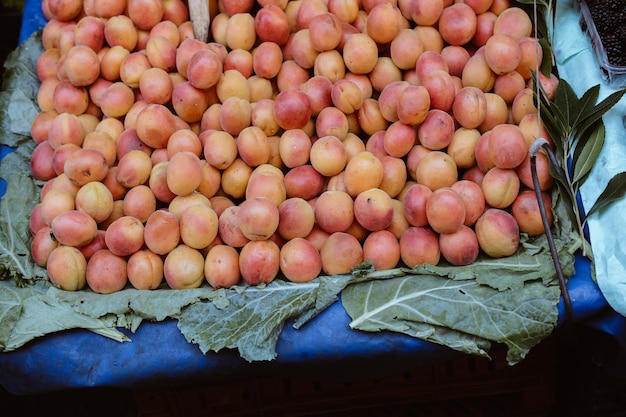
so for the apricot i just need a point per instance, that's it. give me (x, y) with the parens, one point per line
(459, 247)
(133, 168)
(424, 12)
(85, 165)
(296, 218)
(144, 270)
(155, 125)
(198, 226)
(364, 171)
(470, 107)
(161, 232)
(457, 24)
(473, 199)
(445, 210)
(259, 261)
(542, 164)
(360, 53)
(106, 272)
(500, 187)
(139, 202)
(328, 155)
(228, 227)
(42, 244)
(334, 211)
(340, 252)
(184, 173)
(304, 182)
(96, 200)
(497, 233)
(507, 146)
(268, 183)
(525, 210)
(183, 268)
(384, 22)
(292, 109)
(436, 131)
(413, 105)
(373, 209)
(258, 218)
(419, 245)
(441, 89)
(221, 266)
(300, 261)
(235, 178)
(497, 112)
(67, 268)
(125, 236)
(271, 24)
(513, 21)
(436, 169)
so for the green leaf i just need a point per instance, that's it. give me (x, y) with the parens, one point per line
(614, 190)
(584, 160)
(567, 104)
(519, 318)
(15, 208)
(592, 112)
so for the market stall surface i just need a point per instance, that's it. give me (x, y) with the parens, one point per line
(569, 374)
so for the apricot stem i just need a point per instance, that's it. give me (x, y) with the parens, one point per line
(535, 147)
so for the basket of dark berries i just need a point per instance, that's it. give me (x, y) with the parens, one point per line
(603, 20)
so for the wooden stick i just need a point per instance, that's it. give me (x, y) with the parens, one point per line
(200, 18)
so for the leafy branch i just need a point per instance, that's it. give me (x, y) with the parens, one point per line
(578, 133)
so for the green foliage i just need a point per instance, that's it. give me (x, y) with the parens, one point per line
(578, 132)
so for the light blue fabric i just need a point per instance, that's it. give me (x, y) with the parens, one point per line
(577, 63)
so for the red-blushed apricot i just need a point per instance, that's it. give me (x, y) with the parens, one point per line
(373, 209)
(513, 21)
(258, 218)
(95, 245)
(162, 232)
(437, 130)
(155, 125)
(259, 261)
(445, 210)
(419, 245)
(42, 245)
(473, 199)
(73, 228)
(300, 261)
(67, 268)
(525, 210)
(228, 227)
(414, 204)
(502, 53)
(271, 24)
(183, 268)
(457, 24)
(459, 247)
(406, 48)
(384, 22)
(292, 109)
(470, 107)
(106, 272)
(340, 252)
(399, 138)
(542, 164)
(184, 173)
(304, 182)
(497, 233)
(296, 218)
(382, 248)
(41, 162)
(144, 270)
(125, 236)
(507, 146)
(81, 65)
(441, 89)
(423, 12)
